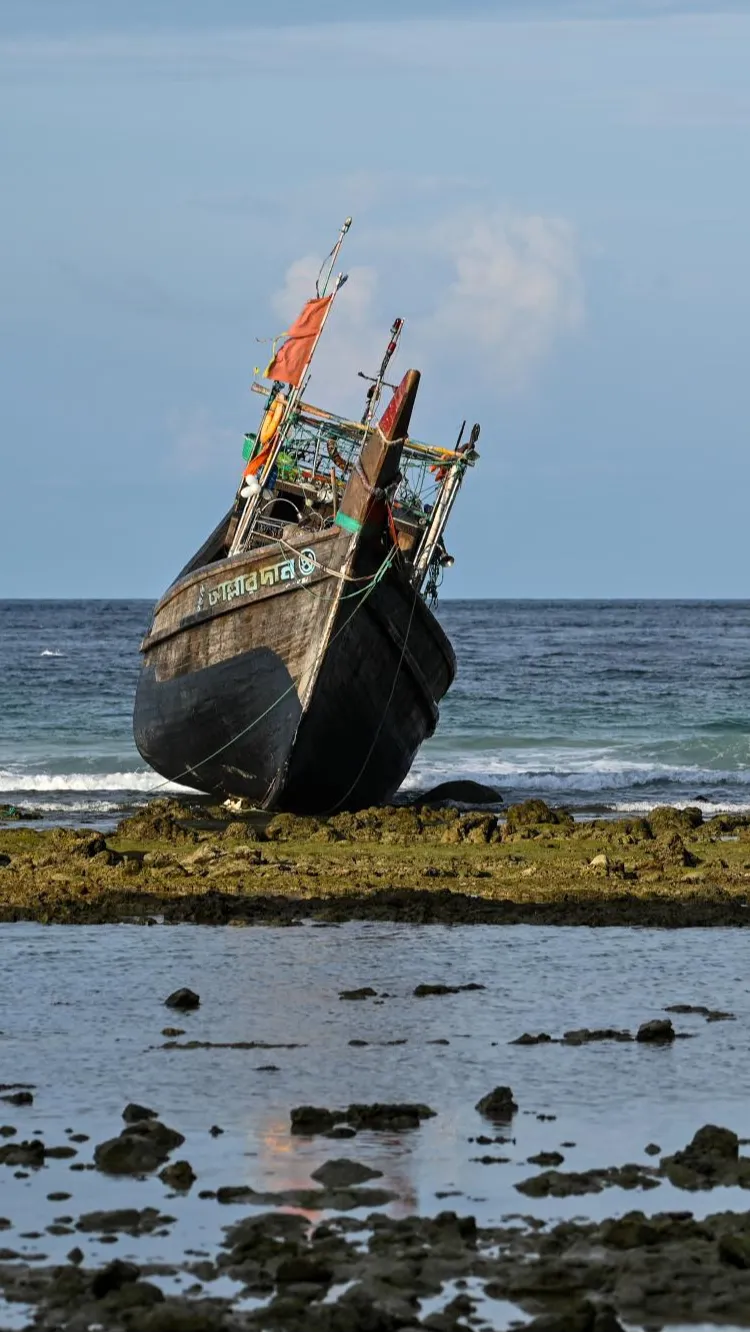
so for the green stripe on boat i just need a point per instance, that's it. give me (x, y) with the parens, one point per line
(350, 524)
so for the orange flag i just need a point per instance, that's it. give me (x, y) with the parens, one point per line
(291, 358)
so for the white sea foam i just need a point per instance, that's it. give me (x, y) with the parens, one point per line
(51, 652)
(138, 781)
(563, 772)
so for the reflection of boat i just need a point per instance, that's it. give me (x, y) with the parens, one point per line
(285, 1163)
(296, 660)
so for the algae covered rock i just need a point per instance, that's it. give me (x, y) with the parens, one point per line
(535, 812)
(159, 821)
(498, 1104)
(178, 1176)
(657, 1030)
(665, 819)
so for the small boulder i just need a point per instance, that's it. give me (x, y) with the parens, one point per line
(22, 1098)
(183, 999)
(657, 1030)
(467, 792)
(341, 1173)
(133, 1113)
(178, 1176)
(112, 1277)
(363, 993)
(498, 1104)
(313, 1119)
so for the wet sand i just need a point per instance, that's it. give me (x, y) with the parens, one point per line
(533, 864)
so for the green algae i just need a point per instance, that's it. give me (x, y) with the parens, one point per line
(389, 863)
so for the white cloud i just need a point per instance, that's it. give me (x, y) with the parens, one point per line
(515, 292)
(505, 288)
(353, 339)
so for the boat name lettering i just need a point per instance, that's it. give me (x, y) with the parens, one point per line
(283, 571)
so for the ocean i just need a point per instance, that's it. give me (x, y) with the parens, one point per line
(598, 705)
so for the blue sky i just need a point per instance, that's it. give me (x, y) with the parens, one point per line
(555, 196)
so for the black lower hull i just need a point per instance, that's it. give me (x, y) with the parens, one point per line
(243, 726)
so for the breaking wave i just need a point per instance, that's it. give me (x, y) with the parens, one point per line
(137, 781)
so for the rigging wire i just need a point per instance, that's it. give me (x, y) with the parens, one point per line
(365, 593)
(381, 724)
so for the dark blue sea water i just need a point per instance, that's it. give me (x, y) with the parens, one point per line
(617, 704)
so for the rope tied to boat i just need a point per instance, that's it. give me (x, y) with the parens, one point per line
(363, 593)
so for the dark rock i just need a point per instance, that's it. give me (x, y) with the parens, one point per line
(652, 1149)
(133, 1112)
(132, 1221)
(112, 1277)
(425, 988)
(465, 791)
(7, 1131)
(314, 1119)
(30, 1152)
(138, 1150)
(63, 1151)
(304, 1269)
(656, 1030)
(546, 1159)
(215, 1131)
(561, 1184)
(631, 1232)
(531, 1039)
(137, 1295)
(75, 1255)
(22, 1098)
(498, 1104)
(579, 1036)
(234, 1193)
(387, 1115)
(363, 993)
(183, 999)
(173, 1032)
(178, 1176)
(734, 1249)
(711, 1158)
(341, 1172)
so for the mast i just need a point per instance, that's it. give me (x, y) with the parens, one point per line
(252, 504)
(441, 512)
(376, 384)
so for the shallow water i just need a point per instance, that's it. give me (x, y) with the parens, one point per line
(81, 1013)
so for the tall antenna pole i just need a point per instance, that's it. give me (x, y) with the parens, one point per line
(252, 504)
(376, 388)
(335, 255)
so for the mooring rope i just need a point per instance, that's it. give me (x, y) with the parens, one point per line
(363, 593)
(381, 724)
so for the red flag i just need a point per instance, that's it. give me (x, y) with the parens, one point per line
(293, 355)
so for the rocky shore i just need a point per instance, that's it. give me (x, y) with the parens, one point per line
(190, 862)
(328, 1257)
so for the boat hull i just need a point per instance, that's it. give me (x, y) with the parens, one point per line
(309, 695)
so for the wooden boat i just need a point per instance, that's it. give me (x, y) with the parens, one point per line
(296, 659)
